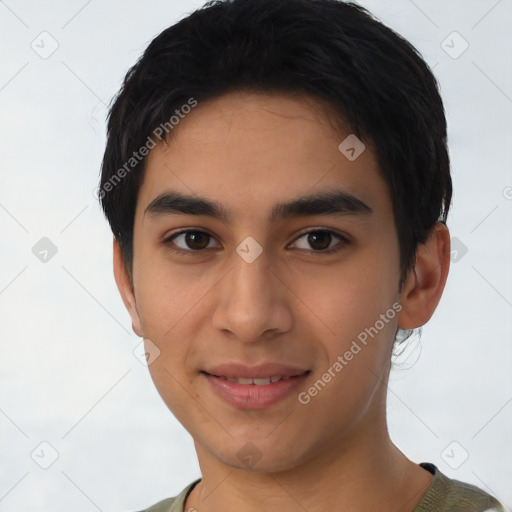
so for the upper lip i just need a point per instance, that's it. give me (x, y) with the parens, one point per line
(234, 370)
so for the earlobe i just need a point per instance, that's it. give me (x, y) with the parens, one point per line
(426, 279)
(125, 288)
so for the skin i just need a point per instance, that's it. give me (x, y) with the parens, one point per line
(293, 304)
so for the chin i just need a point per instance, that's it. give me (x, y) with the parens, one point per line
(258, 456)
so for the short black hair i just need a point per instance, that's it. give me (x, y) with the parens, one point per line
(377, 83)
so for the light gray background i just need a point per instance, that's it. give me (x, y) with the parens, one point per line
(68, 375)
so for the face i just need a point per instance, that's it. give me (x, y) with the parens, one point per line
(266, 271)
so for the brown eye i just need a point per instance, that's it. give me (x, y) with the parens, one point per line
(190, 241)
(320, 241)
(196, 240)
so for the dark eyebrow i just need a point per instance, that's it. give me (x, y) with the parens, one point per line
(334, 202)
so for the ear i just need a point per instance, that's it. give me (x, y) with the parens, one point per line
(126, 289)
(425, 281)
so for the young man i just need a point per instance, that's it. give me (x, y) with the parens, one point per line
(277, 180)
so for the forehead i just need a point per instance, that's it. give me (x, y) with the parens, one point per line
(252, 151)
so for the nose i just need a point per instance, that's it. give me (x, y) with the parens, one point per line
(252, 301)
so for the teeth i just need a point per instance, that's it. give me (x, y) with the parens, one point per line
(257, 382)
(262, 382)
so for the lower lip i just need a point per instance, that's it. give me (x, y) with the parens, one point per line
(251, 396)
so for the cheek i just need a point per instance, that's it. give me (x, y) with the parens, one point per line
(172, 303)
(167, 293)
(344, 299)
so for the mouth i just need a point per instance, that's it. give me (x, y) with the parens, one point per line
(262, 381)
(250, 393)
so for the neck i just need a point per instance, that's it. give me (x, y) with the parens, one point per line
(360, 471)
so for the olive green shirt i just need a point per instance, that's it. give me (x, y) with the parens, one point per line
(443, 495)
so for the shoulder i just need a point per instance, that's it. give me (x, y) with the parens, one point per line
(174, 504)
(161, 506)
(449, 495)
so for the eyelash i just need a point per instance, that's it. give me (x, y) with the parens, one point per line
(190, 252)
